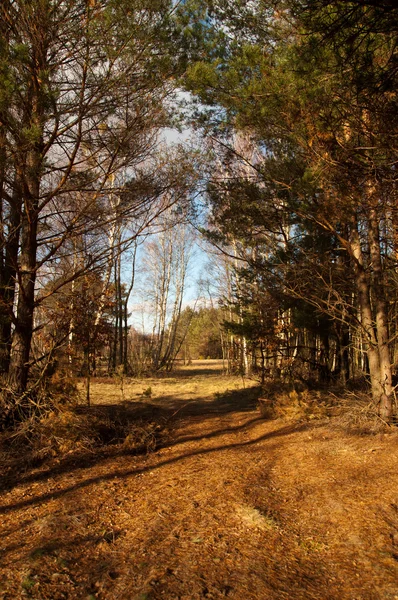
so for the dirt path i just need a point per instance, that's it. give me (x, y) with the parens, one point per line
(233, 506)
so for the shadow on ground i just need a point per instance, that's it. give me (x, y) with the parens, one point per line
(111, 422)
(231, 401)
(69, 467)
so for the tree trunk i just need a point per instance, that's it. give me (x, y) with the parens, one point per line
(8, 275)
(29, 156)
(127, 367)
(119, 301)
(381, 318)
(375, 331)
(22, 337)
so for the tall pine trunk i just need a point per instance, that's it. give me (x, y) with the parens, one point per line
(22, 337)
(373, 313)
(8, 274)
(381, 318)
(32, 150)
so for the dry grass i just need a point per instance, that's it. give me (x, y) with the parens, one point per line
(69, 434)
(132, 414)
(189, 383)
(296, 406)
(357, 413)
(295, 402)
(45, 396)
(232, 506)
(354, 412)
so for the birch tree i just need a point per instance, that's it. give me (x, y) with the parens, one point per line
(166, 265)
(83, 85)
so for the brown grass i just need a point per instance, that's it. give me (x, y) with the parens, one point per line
(356, 412)
(201, 380)
(229, 505)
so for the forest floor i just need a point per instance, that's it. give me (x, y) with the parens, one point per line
(225, 504)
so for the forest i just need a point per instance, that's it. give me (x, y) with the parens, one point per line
(198, 299)
(284, 173)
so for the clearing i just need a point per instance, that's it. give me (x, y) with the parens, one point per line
(228, 504)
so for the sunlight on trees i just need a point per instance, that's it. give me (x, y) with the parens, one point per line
(313, 84)
(292, 183)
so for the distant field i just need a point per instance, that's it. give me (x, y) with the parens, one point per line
(199, 380)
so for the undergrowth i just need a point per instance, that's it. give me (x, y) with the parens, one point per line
(50, 422)
(67, 432)
(354, 412)
(357, 413)
(43, 397)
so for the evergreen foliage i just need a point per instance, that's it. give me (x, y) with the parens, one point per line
(311, 86)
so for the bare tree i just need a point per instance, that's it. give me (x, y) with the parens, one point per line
(166, 264)
(84, 84)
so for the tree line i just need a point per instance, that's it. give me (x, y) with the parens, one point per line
(86, 89)
(301, 107)
(295, 103)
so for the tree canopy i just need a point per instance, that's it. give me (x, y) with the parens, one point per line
(296, 105)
